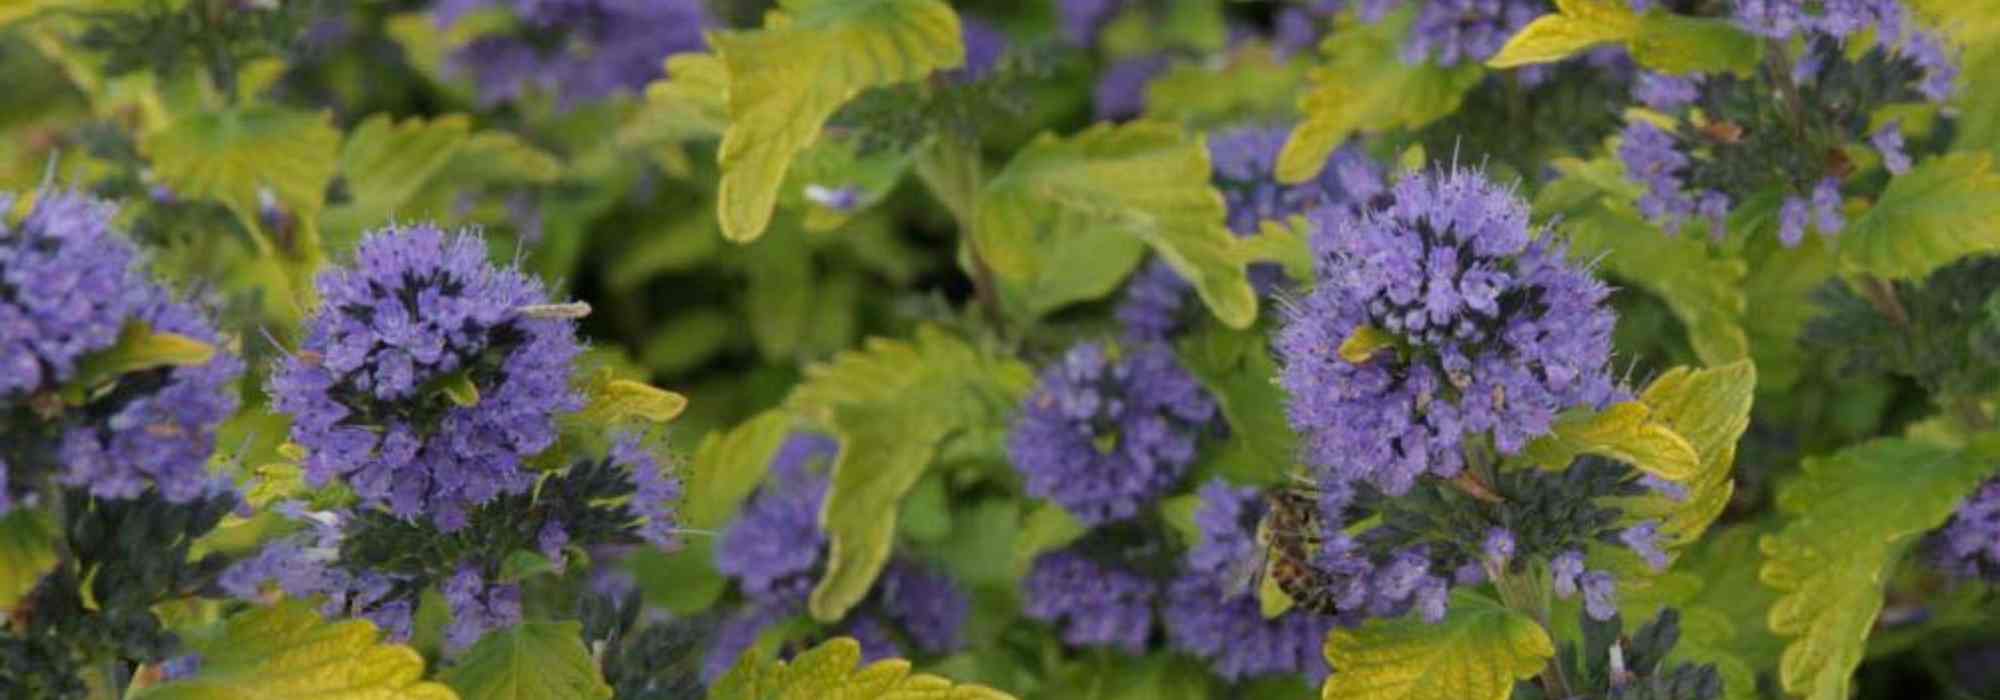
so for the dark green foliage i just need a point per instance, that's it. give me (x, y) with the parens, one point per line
(1610, 666)
(1944, 332)
(1548, 514)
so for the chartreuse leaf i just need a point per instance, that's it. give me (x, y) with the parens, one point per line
(384, 163)
(621, 400)
(230, 155)
(786, 79)
(692, 102)
(1394, 93)
(1627, 432)
(1852, 515)
(827, 672)
(1709, 409)
(1255, 83)
(1576, 25)
(141, 348)
(1105, 190)
(1944, 209)
(288, 651)
(529, 661)
(27, 551)
(891, 404)
(1476, 653)
(1660, 40)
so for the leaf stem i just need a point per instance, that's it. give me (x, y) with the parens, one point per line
(950, 166)
(1882, 296)
(1527, 591)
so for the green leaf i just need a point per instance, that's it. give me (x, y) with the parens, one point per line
(1680, 44)
(458, 387)
(778, 299)
(1254, 84)
(1722, 606)
(1476, 653)
(891, 404)
(1147, 181)
(27, 551)
(1395, 94)
(1852, 515)
(1045, 527)
(230, 155)
(728, 466)
(1710, 409)
(1627, 432)
(1237, 369)
(1577, 25)
(140, 348)
(828, 672)
(385, 162)
(288, 651)
(1704, 289)
(529, 661)
(691, 103)
(1944, 209)
(1285, 243)
(788, 78)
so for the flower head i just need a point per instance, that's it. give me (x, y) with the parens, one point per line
(1968, 546)
(1095, 604)
(583, 49)
(775, 545)
(1209, 615)
(1102, 436)
(1495, 334)
(378, 391)
(1451, 32)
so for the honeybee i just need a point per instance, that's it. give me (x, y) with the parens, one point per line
(1290, 533)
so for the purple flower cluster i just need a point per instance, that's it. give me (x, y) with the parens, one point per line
(583, 49)
(1451, 32)
(68, 288)
(775, 550)
(1495, 333)
(370, 391)
(1082, 20)
(1600, 590)
(305, 564)
(1208, 616)
(1095, 603)
(1840, 20)
(1968, 546)
(478, 607)
(1103, 436)
(654, 494)
(1120, 93)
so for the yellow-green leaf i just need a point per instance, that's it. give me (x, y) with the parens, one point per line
(230, 155)
(891, 404)
(1679, 44)
(1851, 517)
(1363, 343)
(827, 672)
(140, 348)
(1703, 288)
(384, 163)
(1710, 409)
(1394, 94)
(1944, 209)
(529, 661)
(787, 79)
(1254, 84)
(1476, 653)
(1285, 243)
(1147, 181)
(620, 400)
(692, 102)
(1046, 526)
(1627, 432)
(27, 551)
(1575, 26)
(288, 651)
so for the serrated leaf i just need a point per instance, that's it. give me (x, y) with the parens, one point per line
(229, 155)
(140, 348)
(691, 102)
(891, 404)
(788, 78)
(828, 672)
(385, 162)
(288, 651)
(1710, 409)
(1147, 181)
(1575, 26)
(1680, 44)
(1476, 653)
(1395, 94)
(1852, 515)
(1253, 85)
(500, 157)
(729, 465)
(27, 551)
(1285, 243)
(1944, 209)
(1627, 432)
(529, 661)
